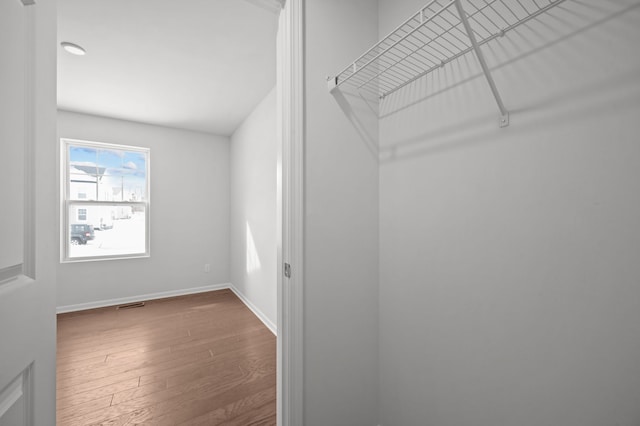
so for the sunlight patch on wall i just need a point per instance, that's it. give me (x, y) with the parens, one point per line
(253, 260)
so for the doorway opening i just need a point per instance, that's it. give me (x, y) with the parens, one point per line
(94, 122)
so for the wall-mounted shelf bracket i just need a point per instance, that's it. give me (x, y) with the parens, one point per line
(504, 114)
(504, 120)
(332, 83)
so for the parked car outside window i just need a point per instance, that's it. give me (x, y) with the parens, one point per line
(81, 233)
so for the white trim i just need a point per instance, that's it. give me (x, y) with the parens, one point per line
(256, 311)
(29, 224)
(172, 293)
(11, 394)
(20, 387)
(67, 202)
(10, 273)
(280, 113)
(290, 290)
(140, 298)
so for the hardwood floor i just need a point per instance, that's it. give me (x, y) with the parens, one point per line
(201, 359)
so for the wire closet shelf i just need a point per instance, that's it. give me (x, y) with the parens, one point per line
(439, 33)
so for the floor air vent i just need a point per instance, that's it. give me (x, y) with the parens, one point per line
(131, 305)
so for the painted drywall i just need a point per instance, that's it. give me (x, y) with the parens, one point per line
(509, 258)
(340, 223)
(189, 214)
(253, 209)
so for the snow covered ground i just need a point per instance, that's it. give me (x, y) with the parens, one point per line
(126, 237)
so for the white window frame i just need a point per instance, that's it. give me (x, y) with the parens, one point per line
(66, 203)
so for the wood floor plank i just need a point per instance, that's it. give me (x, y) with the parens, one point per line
(63, 414)
(69, 379)
(182, 406)
(134, 329)
(71, 363)
(70, 399)
(197, 359)
(253, 408)
(114, 349)
(237, 356)
(138, 392)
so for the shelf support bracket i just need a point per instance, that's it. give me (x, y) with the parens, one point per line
(504, 114)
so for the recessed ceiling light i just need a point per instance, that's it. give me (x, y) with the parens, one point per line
(74, 49)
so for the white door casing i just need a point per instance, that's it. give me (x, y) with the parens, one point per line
(27, 292)
(290, 213)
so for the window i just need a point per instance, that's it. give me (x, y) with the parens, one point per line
(105, 190)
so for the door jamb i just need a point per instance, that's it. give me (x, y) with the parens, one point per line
(290, 90)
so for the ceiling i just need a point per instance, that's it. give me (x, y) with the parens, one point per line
(199, 64)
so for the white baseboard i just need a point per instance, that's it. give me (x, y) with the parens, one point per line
(140, 298)
(257, 312)
(173, 293)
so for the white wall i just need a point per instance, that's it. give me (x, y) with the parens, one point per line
(189, 214)
(341, 225)
(509, 258)
(253, 210)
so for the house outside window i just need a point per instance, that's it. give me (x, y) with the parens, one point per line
(105, 192)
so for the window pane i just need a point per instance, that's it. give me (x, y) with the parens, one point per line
(83, 173)
(106, 230)
(99, 174)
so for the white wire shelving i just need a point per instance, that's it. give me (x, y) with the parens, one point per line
(440, 32)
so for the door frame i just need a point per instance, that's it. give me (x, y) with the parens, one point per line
(290, 89)
(290, 216)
